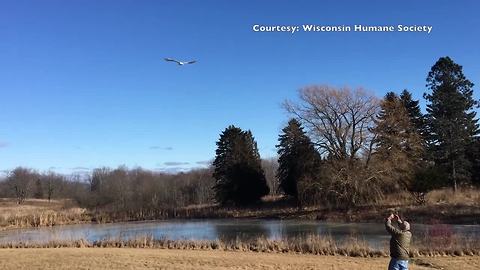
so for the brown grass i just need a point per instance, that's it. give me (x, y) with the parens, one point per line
(35, 213)
(111, 258)
(309, 244)
(464, 196)
(442, 206)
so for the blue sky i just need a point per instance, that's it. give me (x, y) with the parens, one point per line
(83, 83)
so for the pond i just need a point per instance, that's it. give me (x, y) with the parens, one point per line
(227, 229)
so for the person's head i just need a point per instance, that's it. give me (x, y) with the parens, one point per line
(405, 226)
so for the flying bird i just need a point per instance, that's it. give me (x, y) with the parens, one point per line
(180, 63)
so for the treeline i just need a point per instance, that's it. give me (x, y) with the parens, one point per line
(341, 148)
(117, 189)
(120, 189)
(130, 190)
(346, 147)
(23, 183)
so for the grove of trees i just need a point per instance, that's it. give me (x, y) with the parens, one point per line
(372, 147)
(134, 193)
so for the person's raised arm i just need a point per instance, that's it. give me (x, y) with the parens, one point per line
(399, 220)
(389, 227)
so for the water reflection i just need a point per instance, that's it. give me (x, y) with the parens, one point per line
(233, 229)
(373, 233)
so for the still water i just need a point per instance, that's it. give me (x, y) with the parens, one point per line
(373, 233)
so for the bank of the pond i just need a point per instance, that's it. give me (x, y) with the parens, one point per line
(40, 213)
(441, 207)
(309, 244)
(427, 214)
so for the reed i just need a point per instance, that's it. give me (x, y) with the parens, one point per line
(307, 244)
(45, 218)
(440, 240)
(37, 213)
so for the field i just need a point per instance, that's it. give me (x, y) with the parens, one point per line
(126, 258)
(35, 213)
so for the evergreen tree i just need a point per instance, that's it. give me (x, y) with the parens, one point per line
(413, 109)
(473, 155)
(225, 152)
(238, 172)
(298, 159)
(399, 146)
(450, 118)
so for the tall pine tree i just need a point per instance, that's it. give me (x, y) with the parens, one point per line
(298, 159)
(473, 155)
(413, 109)
(238, 172)
(451, 120)
(399, 146)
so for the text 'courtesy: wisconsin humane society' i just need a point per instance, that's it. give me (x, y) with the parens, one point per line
(342, 28)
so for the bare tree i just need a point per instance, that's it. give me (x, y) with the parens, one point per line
(339, 120)
(20, 181)
(270, 166)
(50, 189)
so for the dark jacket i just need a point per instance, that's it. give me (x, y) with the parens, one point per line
(399, 243)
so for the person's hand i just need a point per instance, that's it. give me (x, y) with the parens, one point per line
(397, 217)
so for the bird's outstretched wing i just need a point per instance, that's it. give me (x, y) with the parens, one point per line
(171, 60)
(191, 62)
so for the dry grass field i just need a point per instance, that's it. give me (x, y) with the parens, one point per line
(127, 258)
(35, 213)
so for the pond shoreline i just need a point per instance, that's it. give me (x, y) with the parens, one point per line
(38, 213)
(436, 214)
(309, 244)
(454, 215)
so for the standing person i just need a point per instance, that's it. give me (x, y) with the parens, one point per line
(399, 243)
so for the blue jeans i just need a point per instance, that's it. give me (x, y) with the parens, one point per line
(398, 264)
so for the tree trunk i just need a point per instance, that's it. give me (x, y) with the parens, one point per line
(454, 177)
